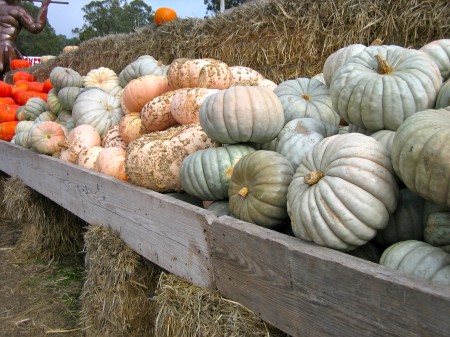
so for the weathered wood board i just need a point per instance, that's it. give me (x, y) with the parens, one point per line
(166, 231)
(307, 290)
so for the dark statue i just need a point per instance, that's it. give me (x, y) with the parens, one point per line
(12, 19)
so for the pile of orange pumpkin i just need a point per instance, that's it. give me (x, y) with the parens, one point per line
(15, 95)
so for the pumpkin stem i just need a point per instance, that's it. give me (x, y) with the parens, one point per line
(306, 96)
(63, 143)
(243, 192)
(383, 66)
(313, 177)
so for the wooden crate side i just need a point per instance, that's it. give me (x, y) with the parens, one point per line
(169, 232)
(307, 290)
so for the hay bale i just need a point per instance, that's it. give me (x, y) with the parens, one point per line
(281, 39)
(50, 232)
(117, 294)
(186, 310)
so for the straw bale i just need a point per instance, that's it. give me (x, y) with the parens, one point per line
(50, 232)
(281, 39)
(186, 310)
(117, 294)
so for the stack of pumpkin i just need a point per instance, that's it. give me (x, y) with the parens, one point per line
(278, 154)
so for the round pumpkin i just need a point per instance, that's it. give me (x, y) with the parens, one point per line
(305, 97)
(112, 138)
(443, 98)
(242, 114)
(131, 127)
(437, 225)
(87, 156)
(33, 108)
(156, 115)
(258, 188)
(79, 138)
(143, 89)
(406, 223)
(67, 97)
(439, 52)
(421, 154)
(420, 259)
(103, 78)
(343, 192)
(382, 86)
(219, 208)
(241, 75)
(206, 173)
(61, 77)
(154, 160)
(53, 103)
(385, 137)
(45, 116)
(45, 137)
(111, 161)
(143, 65)
(98, 109)
(185, 104)
(164, 15)
(299, 136)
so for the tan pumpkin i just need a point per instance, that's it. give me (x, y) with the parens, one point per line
(186, 73)
(242, 75)
(111, 161)
(156, 115)
(70, 49)
(154, 160)
(131, 127)
(79, 138)
(112, 138)
(88, 156)
(103, 78)
(143, 89)
(186, 102)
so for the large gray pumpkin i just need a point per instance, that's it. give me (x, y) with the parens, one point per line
(382, 86)
(343, 192)
(306, 97)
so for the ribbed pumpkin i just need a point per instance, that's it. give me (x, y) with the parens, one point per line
(45, 137)
(63, 117)
(156, 115)
(61, 77)
(45, 116)
(185, 104)
(87, 156)
(53, 103)
(385, 137)
(439, 51)
(242, 114)
(443, 98)
(186, 73)
(343, 192)
(67, 97)
(219, 208)
(258, 188)
(420, 259)
(143, 65)
(338, 58)
(8, 130)
(79, 138)
(206, 173)
(143, 89)
(382, 86)
(33, 108)
(421, 154)
(112, 138)
(131, 127)
(111, 161)
(98, 109)
(154, 160)
(406, 223)
(299, 136)
(437, 225)
(103, 78)
(305, 97)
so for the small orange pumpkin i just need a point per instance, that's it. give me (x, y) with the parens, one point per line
(8, 112)
(5, 89)
(163, 15)
(111, 161)
(23, 75)
(19, 64)
(8, 130)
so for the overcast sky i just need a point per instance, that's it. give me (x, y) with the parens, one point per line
(64, 18)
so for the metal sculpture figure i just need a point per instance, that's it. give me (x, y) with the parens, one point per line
(12, 19)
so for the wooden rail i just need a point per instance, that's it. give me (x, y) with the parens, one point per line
(301, 288)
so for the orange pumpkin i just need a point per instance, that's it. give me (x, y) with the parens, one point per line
(8, 112)
(163, 15)
(8, 130)
(131, 127)
(7, 100)
(111, 161)
(19, 64)
(23, 75)
(47, 85)
(5, 89)
(22, 96)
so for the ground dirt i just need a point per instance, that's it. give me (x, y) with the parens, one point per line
(37, 298)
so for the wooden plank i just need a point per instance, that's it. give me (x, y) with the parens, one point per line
(307, 290)
(169, 232)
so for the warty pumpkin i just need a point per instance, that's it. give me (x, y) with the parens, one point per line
(87, 156)
(343, 192)
(156, 115)
(131, 127)
(79, 138)
(112, 138)
(185, 104)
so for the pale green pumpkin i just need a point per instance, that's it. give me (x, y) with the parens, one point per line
(420, 259)
(206, 173)
(143, 65)
(443, 98)
(67, 97)
(439, 52)
(306, 98)
(33, 108)
(437, 225)
(421, 154)
(382, 86)
(61, 77)
(385, 137)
